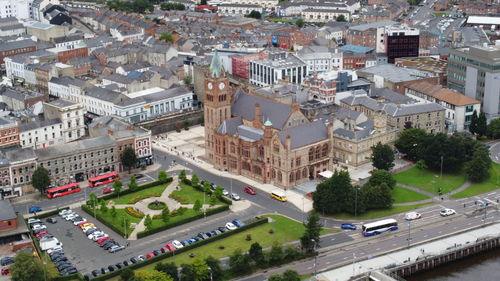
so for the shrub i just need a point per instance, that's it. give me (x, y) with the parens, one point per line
(133, 212)
(179, 199)
(142, 197)
(156, 205)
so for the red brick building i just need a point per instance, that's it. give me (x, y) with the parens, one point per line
(8, 218)
(65, 55)
(354, 61)
(9, 49)
(241, 64)
(9, 132)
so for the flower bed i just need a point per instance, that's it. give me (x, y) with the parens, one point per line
(142, 197)
(157, 205)
(133, 212)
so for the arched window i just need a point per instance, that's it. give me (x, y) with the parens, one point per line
(280, 176)
(291, 177)
(297, 175)
(318, 152)
(311, 154)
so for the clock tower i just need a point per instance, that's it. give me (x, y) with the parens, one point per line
(217, 106)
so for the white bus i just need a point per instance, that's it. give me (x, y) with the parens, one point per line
(378, 227)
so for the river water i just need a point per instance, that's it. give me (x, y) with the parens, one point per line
(482, 267)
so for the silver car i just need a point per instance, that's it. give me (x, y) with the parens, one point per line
(116, 248)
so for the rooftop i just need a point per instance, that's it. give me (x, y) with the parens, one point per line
(396, 74)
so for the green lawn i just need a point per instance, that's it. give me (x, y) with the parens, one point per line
(285, 230)
(118, 220)
(492, 183)
(375, 214)
(190, 194)
(430, 181)
(158, 189)
(403, 195)
(188, 213)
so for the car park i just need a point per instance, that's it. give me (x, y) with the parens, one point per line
(412, 216)
(348, 226)
(52, 220)
(447, 212)
(230, 226)
(238, 223)
(250, 190)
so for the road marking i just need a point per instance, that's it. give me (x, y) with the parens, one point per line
(310, 267)
(492, 193)
(440, 232)
(346, 258)
(425, 236)
(394, 245)
(377, 249)
(327, 262)
(333, 239)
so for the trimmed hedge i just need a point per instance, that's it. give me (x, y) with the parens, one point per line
(74, 276)
(177, 223)
(142, 197)
(140, 187)
(138, 265)
(98, 216)
(50, 213)
(199, 187)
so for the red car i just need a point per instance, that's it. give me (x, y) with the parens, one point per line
(82, 223)
(250, 190)
(102, 240)
(41, 234)
(5, 270)
(170, 247)
(150, 255)
(107, 190)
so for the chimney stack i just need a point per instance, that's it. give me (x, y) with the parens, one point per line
(257, 121)
(295, 106)
(288, 142)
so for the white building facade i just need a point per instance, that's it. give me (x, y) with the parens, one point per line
(320, 58)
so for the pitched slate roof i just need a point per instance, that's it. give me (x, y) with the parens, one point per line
(6, 211)
(276, 112)
(305, 134)
(230, 126)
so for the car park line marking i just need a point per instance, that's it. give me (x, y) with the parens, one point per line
(425, 236)
(346, 258)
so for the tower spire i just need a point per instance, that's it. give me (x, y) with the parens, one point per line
(216, 66)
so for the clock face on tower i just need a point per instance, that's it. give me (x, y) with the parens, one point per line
(210, 85)
(222, 85)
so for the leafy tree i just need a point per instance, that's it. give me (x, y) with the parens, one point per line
(188, 80)
(92, 200)
(128, 158)
(341, 18)
(239, 263)
(27, 267)
(148, 222)
(203, 2)
(165, 214)
(377, 196)
(292, 253)
(310, 239)
(291, 275)
(201, 270)
(167, 37)
(103, 207)
(186, 123)
(451, 149)
(40, 179)
(133, 183)
(166, 6)
(113, 211)
(333, 195)
(382, 157)
(300, 22)
(162, 176)
(213, 200)
(382, 176)
(482, 128)
(197, 206)
(117, 186)
(473, 123)
(169, 268)
(182, 175)
(411, 142)
(214, 265)
(152, 275)
(493, 129)
(275, 277)
(194, 180)
(218, 191)
(206, 187)
(256, 254)
(421, 165)
(187, 272)
(478, 168)
(127, 274)
(276, 255)
(255, 14)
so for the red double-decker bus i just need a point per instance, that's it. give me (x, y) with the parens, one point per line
(104, 179)
(63, 190)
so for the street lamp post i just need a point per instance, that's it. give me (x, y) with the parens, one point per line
(409, 233)
(356, 202)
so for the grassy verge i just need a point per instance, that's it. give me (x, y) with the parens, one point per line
(190, 195)
(403, 195)
(492, 183)
(430, 181)
(285, 230)
(149, 191)
(375, 214)
(118, 220)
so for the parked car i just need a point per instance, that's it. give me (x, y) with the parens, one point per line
(412, 216)
(107, 190)
(35, 209)
(150, 255)
(104, 270)
(65, 211)
(102, 240)
(177, 244)
(141, 257)
(238, 223)
(38, 227)
(157, 252)
(447, 212)
(250, 190)
(138, 176)
(230, 226)
(170, 247)
(6, 260)
(96, 272)
(116, 248)
(348, 226)
(202, 235)
(52, 220)
(126, 263)
(235, 196)
(134, 260)
(69, 271)
(5, 270)
(222, 229)
(41, 234)
(225, 192)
